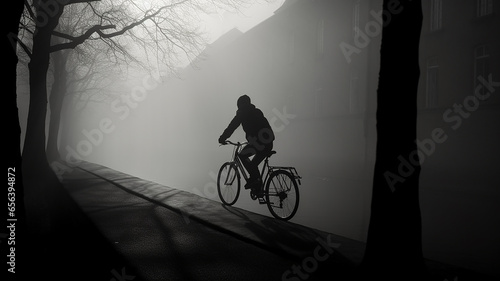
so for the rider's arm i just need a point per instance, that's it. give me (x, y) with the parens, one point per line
(233, 125)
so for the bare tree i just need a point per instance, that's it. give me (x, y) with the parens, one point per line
(165, 25)
(80, 74)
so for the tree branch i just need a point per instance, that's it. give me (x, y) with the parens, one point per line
(78, 40)
(98, 28)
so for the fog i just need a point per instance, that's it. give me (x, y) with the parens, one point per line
(170, 137)
(165, 128)
(171, 142)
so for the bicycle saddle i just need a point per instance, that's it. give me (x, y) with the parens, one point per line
(272, 152)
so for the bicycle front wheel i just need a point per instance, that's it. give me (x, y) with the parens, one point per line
(228, 183)
(282, 195)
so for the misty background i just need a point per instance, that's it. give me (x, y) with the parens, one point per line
(304, 65)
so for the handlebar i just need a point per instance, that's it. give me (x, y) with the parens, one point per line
(234, 143)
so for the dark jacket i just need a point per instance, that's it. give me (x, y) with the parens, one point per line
(255, 125)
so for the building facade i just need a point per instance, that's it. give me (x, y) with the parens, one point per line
(313, 69)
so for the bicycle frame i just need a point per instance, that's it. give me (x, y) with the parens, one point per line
(241, 168)
(266, 168)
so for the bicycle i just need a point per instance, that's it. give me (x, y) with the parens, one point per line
(281, 192)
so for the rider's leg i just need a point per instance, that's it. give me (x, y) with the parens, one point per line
(253, 168)
(245, 154)
(260, 156)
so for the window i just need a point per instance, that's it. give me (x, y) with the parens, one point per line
(431, 95)
(436, 15)
(484, 8)
(320, 44)
(481, 66)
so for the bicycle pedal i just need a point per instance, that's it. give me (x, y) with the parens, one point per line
(262, 201)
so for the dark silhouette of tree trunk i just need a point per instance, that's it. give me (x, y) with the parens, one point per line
(36, 166)
(40, 180)
(394, 248)
(13, 161)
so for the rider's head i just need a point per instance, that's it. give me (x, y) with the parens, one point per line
(243, 101)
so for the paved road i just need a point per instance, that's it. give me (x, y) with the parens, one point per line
(159, 243)
(107, 225)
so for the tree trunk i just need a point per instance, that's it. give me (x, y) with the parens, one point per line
(35, 164)
(39, 178)
(394, 248)
(10, 30)
(56, 102)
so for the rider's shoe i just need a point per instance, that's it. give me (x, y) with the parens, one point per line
(257, 189)
(258, 192)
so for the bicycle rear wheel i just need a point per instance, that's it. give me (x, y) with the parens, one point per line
(228, 183)
(282, 195)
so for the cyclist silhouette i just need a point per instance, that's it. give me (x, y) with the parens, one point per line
(259, 135)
